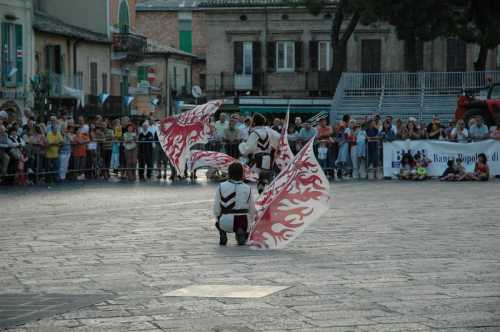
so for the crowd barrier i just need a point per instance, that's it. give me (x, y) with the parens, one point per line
(377, 158)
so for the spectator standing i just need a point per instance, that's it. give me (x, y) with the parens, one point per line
(324, 133)
(220, 126)
(413, 130)
(130, 149)
(298, 124)
(245, 129)
(80, 141)
(92, 153)
(99, 138)
(65, 150)
(387, 134)
(54, 141)
(232, 139)
(4, 155)
(106, 151)
(145, 155)
(276, 125)
(342, 140)
(360, 156)
(495, 133)
(306, 133)
(292, 138)
(116, 146)
(459, 133)
(373, 138)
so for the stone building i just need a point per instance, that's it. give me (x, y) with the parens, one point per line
(16, 56)
(167, 71)
(179, 24)
(269, 48)
(72, 63)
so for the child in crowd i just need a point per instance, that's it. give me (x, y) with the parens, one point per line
(421, 163)
(450, 173)
(460, 175)
(407, 170)
(481, 170)
(323, 155)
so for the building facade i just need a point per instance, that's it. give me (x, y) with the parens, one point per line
(179, 24)
(72, 63)
(16, 56)
(285, 51)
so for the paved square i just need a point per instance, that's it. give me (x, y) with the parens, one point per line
(18, 309)
(229, 291)
(389, 256)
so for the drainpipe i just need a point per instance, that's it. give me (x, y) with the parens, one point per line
(167, 88)
(264, 48)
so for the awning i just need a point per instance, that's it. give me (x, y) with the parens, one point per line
(282, 109)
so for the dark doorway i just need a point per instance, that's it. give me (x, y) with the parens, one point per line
(371, 62)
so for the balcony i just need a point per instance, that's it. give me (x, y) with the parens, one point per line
(65, 86)
(128, 46)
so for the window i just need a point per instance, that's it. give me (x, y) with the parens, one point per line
(247, 58)
(142, 73)
(285, 56)
(186, 79)
(12, 54)
(53, 63)
(93, 78)
(324, 57)
(104, 83)
(174, 84)
(456, 55)
(185, 32)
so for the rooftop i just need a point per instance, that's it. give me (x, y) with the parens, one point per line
(50, 24)
(154, 47)
(166, 5)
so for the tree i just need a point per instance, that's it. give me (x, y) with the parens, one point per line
(348, 13)
(416, 22)
(478, 23)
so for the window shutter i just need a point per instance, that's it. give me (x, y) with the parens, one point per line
(57, 59)
(19, 54)
(271, 56)
(257, 64)
(313, 56)
(5, 49)
(238, 57)
(298, 56)
(141, 73)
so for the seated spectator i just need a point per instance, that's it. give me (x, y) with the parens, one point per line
(434, 129)
(481, 170)
(407, 168)
(495, 133)
(459, 133)
(477, 129)
(451, 172)
(421, 163)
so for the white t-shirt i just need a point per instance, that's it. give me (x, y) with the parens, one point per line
(460, 135)
(322, 152)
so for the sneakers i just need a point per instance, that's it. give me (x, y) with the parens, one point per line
(241, 237)
(80, 177)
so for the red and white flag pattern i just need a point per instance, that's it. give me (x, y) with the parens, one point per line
(217, 160)
(177, 134)
(296, 198)
(284, 154)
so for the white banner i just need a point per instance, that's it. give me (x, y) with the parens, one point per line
(439, 153)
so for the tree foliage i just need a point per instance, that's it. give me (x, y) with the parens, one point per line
(478, 22)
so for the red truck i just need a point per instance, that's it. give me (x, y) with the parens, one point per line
(487, 105)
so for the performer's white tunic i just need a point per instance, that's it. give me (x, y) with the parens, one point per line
(262, 140)
(231, 198)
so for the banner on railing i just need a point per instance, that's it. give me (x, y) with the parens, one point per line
(439, 152)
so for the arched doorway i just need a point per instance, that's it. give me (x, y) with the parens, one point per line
(124, 17)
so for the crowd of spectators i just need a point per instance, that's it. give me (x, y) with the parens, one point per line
(66, 148)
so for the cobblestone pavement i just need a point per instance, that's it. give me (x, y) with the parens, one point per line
(389, 256)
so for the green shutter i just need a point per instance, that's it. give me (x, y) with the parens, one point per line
(185, 41)
(142, 74)
(19, 54)
(5, 50)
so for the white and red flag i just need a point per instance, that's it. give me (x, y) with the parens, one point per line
(284, 154)
(217, 160)
(177, 134)
(295, 199)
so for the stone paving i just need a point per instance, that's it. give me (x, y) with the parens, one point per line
(389, 256)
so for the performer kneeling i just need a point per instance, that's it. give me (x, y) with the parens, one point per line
(234, 206)
(259, 148)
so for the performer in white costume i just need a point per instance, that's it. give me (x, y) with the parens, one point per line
(259, 148)
(234, 206)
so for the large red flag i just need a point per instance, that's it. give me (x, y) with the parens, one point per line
(217, 160)
(177, 134)
(284, 154)
(296, 198)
